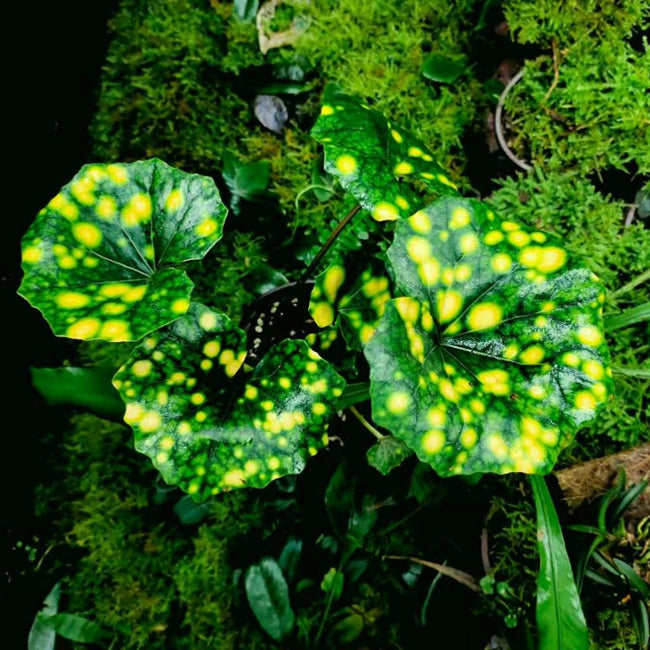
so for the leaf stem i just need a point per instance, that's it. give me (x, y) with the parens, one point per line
(328, 244)
(375, 432)
(460, 576)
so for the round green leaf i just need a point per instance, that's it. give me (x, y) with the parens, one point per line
(98, 258)
(206, 426)
(370, 157)
(444, 69)
(498, 355)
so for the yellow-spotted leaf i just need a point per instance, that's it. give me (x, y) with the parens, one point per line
(371, 157)
(99, 258)
(497, 356)
(207, 425)
(356, 298)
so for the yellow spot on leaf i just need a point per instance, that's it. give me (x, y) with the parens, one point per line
(346, 164)
(468, 243)
(115, 330)
(197, 398)
(87, 234)
(518, 238)
(135, 293)
(497, 446)
(385, 212)
(106, 207)
(593, 369)
(398, 402)
(463, 272)
(418, 248)
(174, 201)
(493, 237)
(207, 227)
(484, 315)
(590, 335)
(429, 271)
(180, 305)
(208, 321)
(234, 478)
(150, 422)
(585, 400)
(326, 110)
(532, 355)
(72, 300)
(448, 304)
(141, 368)
(137, 211)
(460, 217)
(468, 438)
(433, 441)
(323, 314)
(397, 136)
(501, 263)
(86, 328)
(32, 254)
(420, 222)
(403, 168)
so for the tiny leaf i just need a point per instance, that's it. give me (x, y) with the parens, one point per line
(99, 258)
(560, 621)
(444, 69)
(387, 454)
(498, 355)
(268, 597)
(206, 425)
(369, 156)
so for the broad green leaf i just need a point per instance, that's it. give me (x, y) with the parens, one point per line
(206, 425)
(77, 628)
(99, 259)
(89, 388)
(189, 512)
(387, 454)
(290, 557)
(245, 180)
(370, 157)
(42, 635)
(498, 355)
(560, 621)
(638, 314)
(444, 69)
(333, 582)
(359, 298)
(268, 596)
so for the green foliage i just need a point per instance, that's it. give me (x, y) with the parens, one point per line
(370, 157)
(497, 344)
(203, 427)
(98, 259)
(268, 596)
(561, 623)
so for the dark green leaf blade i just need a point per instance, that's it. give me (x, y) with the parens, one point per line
(209, 428)
(77, 628)
(560, 621)
(268, 596)
(97, 258)
(387, 454)
(245, 10)
(42, 635)
(499, 355)
(369, 156)
(88, 388)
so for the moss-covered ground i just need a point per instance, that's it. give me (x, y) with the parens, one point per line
(179, 83)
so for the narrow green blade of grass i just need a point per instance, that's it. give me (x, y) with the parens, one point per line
(628, 317)
(560, 621)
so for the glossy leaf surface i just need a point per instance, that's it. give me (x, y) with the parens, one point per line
(560, 621)
(268, 596)
(98, 260)
(370, 157)
(359, 298)
(209, 428)
(498, 355)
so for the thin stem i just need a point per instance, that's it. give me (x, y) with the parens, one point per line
(459, 576)
(377, 434)
(328, 244)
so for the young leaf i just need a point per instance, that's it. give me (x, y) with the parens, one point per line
(498, 355)
(245, 10)
(98, 260)
(560, 621)
(89, 388)
(387, 454)
(359, 298)
(370, 156)
(444, 69)
(268, 596)
(206, 426)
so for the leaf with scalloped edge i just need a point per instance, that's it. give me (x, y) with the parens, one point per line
(99, 259)
(387, 454)
(356, 298)
(210, 427)
(370, 157)
(498, 355)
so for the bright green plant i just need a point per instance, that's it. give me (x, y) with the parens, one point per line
(484, 338)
